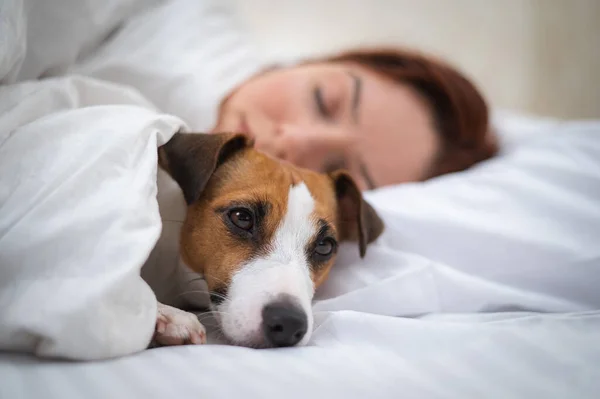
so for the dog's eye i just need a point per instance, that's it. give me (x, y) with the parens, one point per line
(325, 247)
(241, 218)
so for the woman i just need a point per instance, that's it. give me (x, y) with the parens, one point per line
(387, 115)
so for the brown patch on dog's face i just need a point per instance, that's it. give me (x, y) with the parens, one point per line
(252, 182)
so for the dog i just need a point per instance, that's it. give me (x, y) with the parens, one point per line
(264, 235)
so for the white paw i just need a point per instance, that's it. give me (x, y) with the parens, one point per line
(177, 327)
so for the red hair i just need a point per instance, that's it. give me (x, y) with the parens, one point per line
(460, 111)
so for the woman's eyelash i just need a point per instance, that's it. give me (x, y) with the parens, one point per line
(321, 107)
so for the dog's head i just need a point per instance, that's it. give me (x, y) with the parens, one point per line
(263, 233)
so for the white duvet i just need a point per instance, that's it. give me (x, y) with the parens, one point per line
(485, 283)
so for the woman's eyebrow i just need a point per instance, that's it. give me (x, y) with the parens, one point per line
(356, 95)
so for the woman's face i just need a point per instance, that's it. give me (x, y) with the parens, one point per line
(327, 116)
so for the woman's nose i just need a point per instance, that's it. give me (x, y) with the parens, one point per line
(300, 145)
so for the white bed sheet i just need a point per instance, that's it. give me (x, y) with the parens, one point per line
(352, 355)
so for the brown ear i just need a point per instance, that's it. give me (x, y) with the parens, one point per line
(192, 158)
(357, 220)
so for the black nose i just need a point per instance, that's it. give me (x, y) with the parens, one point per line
(284, 323)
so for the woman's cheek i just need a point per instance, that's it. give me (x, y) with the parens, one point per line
(274, 102)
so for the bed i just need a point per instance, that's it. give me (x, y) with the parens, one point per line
(483, 285)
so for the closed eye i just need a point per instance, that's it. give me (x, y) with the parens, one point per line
(320, 103)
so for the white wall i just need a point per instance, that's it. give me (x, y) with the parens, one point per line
(537, 56)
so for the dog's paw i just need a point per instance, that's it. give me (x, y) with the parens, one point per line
(177, 327)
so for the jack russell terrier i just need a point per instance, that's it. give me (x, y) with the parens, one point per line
(262, 233)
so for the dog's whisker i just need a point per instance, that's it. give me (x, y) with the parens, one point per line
(211, 314)
(220, 335)
(217, 312)
(218, 295)
(205, 318)
(195, 279)
(214, 293)
(214, 312)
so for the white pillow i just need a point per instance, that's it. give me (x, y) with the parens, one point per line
(12, 39)
(519, 232)
(184, 56)
(45, 37)
(78, 217)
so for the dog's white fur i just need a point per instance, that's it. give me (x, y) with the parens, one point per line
(283, 270)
